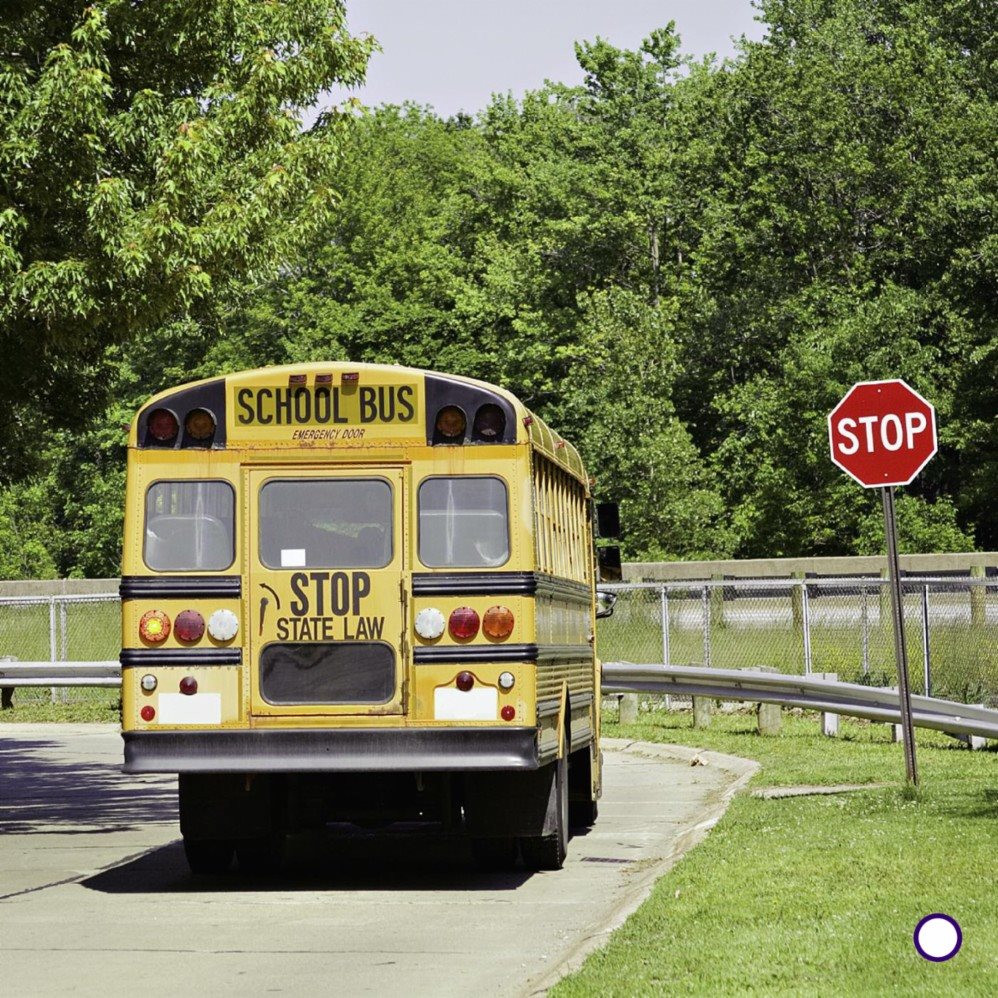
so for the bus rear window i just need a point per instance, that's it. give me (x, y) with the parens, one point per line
(463, 522)
(189, 526)
(326, 523)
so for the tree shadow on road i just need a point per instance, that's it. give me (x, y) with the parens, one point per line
(43, 794)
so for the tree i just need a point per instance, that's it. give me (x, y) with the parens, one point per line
(149, 154)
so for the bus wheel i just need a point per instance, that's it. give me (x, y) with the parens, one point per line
(264, 854)
(548, 852)
(495, 854)
(583, 813)
(208, 856)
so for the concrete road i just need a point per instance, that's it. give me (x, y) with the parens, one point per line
(96, 898)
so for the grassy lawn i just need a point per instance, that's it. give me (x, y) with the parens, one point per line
(818, 895)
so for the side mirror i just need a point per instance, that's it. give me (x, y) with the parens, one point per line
(610, 569)
(605, 602)
(608, 519)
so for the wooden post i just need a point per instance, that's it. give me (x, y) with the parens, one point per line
(977, 597)
(628, 708)
(829, 722)
(703, 707)
(769, 715)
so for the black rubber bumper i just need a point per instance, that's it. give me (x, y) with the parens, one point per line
(337, 751)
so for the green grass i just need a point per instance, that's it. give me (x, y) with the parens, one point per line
(74, 705)
(817, 895)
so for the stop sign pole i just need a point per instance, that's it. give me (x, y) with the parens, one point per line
(882, 434)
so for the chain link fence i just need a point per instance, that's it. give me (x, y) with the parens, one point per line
(61, 629)
(815, 625)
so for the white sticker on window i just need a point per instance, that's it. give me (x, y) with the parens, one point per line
(292, 557)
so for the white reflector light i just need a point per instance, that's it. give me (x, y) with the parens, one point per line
(223, 625)
(506, 680)
(430, 623)
(148, 683)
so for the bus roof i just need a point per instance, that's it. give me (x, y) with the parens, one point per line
(530, 427)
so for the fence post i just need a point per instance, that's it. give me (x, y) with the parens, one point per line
(703, 706)
(865, 626)
(806, 615)
(53, 646)
(977, 597)
(926, 660)
(665, 638)
(796, 609)
(885, 600)
(717, 602)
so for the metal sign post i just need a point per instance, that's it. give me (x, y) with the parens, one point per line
(882, 434)
(900, 646)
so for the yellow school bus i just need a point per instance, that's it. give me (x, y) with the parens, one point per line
(359, 593)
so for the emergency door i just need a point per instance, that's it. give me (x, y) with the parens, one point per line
(326, 591)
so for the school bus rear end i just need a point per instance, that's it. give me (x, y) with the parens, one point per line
(332, 611)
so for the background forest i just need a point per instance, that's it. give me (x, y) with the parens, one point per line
(682, 266)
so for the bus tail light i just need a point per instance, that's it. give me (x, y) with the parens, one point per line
(200, 424)
(508, 713)
(451, 422)
(188, 626)
(163, 425)
(490, 422)
(154, 626)
(147, 713)
(430, 623)
(498, 622)
(464, 681)
(464, 623)
(188, 686)
(223, 625)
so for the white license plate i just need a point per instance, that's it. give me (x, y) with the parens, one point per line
(460, 705)
(200, 708)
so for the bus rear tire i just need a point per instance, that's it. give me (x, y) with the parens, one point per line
(548, 852)
(583, 813)
(207, 857)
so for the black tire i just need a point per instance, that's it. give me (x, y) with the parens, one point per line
(548, 852)
(583, 813)
(208, 857)
(495, 854)
(261, 855)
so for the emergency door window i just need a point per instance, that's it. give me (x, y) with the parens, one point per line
(463, 522)
(189, 526)
(326, 523)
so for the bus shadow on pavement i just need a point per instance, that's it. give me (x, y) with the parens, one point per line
(44, 795)
(336, 860)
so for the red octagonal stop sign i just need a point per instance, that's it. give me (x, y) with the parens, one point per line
(882, 433)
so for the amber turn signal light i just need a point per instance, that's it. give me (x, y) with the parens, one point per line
(154, 626)
(498, 622)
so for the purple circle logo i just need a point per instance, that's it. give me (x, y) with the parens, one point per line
(938, 937)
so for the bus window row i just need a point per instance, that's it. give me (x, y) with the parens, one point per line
(463, 522)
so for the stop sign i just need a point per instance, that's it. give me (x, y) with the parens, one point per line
(882, 433)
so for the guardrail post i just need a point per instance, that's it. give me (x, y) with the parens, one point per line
(977, 597)
(829, 722)
(770, 716)
(628, 708)
(7, 692)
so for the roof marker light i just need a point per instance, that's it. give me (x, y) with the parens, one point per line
(163, 425)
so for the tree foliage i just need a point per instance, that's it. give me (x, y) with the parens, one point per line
(682, 266)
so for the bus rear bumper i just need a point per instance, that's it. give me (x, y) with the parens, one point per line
(339, 751)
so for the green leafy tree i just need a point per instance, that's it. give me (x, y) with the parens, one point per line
(149, 154)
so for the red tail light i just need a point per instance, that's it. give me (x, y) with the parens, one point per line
(188, 686)
(147, 713)
(188, 626)
(508, 713)
(464, 623)
(163, 425)
(464, 681)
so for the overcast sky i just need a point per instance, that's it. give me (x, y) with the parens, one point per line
(454, 54)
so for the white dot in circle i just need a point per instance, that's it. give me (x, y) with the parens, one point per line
(938, 937)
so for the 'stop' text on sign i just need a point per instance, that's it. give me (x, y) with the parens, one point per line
(882, 433)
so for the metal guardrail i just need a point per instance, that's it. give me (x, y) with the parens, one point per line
(14, 674)
(872, 702)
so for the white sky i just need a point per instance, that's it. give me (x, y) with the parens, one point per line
(454, 54)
